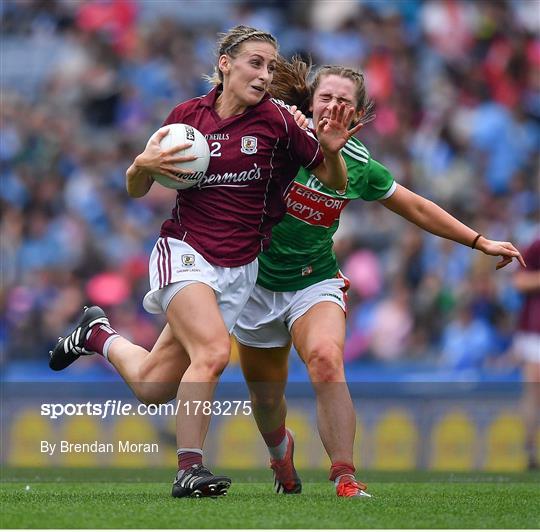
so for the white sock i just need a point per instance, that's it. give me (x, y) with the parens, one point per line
(188, 450)
(107, 344)
(279, 451)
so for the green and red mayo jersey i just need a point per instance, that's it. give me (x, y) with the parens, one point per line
(301, 250)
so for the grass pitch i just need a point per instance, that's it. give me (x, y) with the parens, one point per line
(114, 498)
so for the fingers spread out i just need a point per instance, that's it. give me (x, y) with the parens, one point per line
(334, 112)
(181, 159)
(323, 122)
(341, 112)
(179, 147)
(173, 155)
(348, 114)
(353, 131)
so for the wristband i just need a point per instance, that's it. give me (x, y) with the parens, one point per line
(473, 245)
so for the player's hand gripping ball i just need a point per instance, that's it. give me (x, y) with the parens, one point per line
(182, 134)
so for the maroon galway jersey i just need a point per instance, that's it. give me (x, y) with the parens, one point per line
(529, 318)
(228, 216)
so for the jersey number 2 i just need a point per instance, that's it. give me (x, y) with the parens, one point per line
(215, 149)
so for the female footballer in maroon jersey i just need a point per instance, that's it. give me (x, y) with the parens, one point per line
(203, 266)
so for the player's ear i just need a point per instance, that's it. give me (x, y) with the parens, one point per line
(224, 63)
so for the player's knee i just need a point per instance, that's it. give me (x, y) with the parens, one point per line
(265, 401)
(325, 363)
(211, 361)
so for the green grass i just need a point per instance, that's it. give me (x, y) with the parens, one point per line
(114, 498)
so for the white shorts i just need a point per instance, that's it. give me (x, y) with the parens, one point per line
(268, 316)
(175, 265)
(527, 346)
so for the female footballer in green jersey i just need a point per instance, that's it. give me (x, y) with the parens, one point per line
(300, 293)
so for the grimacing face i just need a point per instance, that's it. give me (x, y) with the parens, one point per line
(248, 75)
(332, 91)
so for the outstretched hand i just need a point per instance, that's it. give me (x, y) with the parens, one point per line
(333, 131)
(506, 250)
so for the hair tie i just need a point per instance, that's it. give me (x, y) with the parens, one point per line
(240, 39)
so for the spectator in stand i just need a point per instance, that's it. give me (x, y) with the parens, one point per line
(466, 340)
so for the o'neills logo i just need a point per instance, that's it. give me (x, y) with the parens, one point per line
(231, 179)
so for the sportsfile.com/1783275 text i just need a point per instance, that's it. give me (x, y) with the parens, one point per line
(114, 407)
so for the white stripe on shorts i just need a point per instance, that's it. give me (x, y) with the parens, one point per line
(164, 262)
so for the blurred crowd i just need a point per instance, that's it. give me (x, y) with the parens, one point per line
(457, 90)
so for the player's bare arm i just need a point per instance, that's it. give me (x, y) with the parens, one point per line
(333, 133)
(154, 160)
(429, 216)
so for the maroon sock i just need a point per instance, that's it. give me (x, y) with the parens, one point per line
(186, 459)
(274, 438)
(99, 334)
(341, 468)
